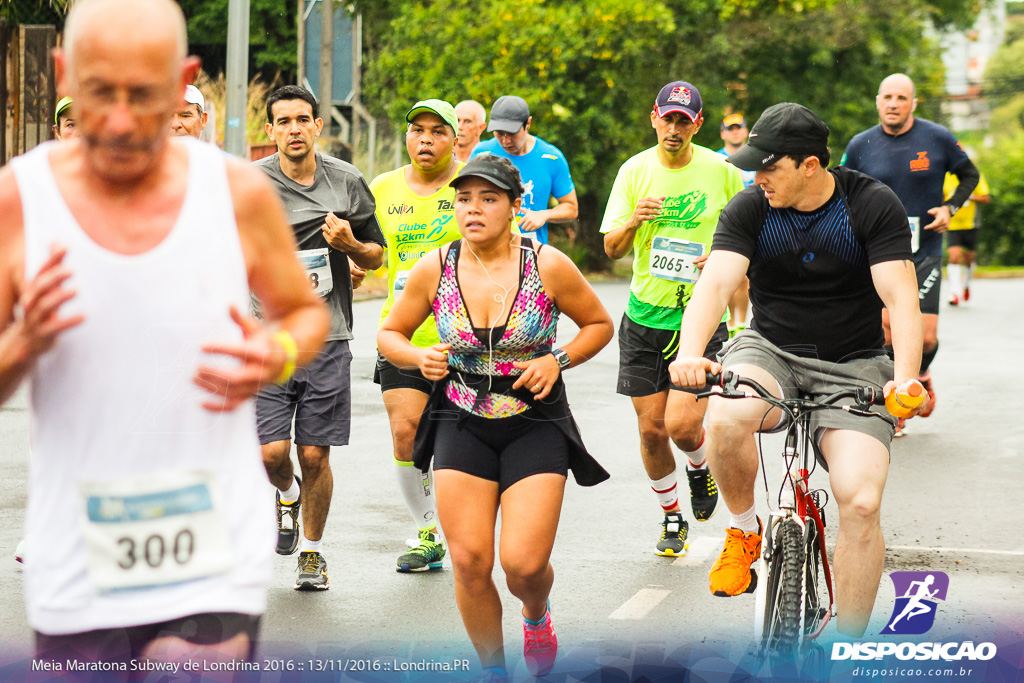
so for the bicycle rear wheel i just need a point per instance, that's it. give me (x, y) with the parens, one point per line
(781, 623)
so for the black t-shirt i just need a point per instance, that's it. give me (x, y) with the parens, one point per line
(810, 278)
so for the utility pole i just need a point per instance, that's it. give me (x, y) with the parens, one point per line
(326, 66)
(237, 95)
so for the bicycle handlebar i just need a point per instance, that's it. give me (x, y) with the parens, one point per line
(729, 383)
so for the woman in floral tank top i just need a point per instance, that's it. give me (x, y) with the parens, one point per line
(498, 426)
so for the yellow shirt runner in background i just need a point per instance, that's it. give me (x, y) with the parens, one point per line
(412, 226)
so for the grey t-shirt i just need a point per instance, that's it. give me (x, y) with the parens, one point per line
(339, 188)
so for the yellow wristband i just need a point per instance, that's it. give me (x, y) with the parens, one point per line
(291, 354)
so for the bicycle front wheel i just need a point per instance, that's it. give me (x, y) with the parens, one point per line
(783, 597)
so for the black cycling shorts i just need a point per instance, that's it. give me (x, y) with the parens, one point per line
(390, 376)
(505, 449)
(965, 239)
(929, 282)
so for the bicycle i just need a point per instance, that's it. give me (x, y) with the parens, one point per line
(790, 601)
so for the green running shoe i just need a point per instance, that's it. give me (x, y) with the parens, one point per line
(429, 554)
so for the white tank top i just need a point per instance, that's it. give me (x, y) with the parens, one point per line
(143, 506)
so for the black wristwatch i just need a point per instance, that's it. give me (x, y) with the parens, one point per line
(562, 357)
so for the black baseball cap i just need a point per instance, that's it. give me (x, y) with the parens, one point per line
(679, 96)
(482, 167)
(783, 129)
(509, 113)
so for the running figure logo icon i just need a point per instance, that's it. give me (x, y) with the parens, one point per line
(917, 593)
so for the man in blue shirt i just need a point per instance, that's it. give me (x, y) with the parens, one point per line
(734, 135)
(543, 167)
(912, 156)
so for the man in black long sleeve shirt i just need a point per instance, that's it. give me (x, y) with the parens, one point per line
(912, 156)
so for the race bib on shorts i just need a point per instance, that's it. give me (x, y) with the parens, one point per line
(154, 531)
(915, 234)
(672, 259)
(318, 270)
(400, 279)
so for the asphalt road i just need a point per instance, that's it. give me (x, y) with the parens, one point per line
(953, 503)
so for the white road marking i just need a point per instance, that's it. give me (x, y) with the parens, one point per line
(638, 606)
(702, 548)
(1015, 553)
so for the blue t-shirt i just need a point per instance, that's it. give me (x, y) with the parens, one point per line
(914, 166)
(747, 176)
(545, 174)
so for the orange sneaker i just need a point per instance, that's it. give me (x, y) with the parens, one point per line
(732, 573)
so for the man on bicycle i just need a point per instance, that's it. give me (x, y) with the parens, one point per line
(824, 250)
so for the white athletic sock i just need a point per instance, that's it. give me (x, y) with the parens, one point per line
(968, 274)
(956, 281)
(292, 494)
(745, 522)
(308, 545)
(697, 459)
(665, 489)
(418, 492)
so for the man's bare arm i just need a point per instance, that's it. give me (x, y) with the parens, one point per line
(896, 284)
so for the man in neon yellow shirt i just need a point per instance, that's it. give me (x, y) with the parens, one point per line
(416, 211)
(962, 238)
(664, 207)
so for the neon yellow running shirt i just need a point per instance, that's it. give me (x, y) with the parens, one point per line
(664, 247)
(412, 226)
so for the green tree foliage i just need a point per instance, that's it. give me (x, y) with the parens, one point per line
(828, 55)
(590, 68)
(34, 12)
(273, 31)
(1001, 239)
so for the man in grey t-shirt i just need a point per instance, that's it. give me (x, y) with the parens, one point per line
(332, 212)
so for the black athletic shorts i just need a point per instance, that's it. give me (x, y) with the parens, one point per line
(504, 449)
(966, 239)
(318, 397)
(929, 281)
(390, 377)
(646, 352)
(122, 645)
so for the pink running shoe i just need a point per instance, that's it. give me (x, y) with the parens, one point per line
(540, 645)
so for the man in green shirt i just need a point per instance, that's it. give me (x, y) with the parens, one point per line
(664, 207)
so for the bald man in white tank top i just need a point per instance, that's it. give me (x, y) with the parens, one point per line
(125, 260)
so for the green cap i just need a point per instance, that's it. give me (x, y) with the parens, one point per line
(439, 107)
(64, 103)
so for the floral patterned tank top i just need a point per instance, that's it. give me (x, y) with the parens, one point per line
(528, 333)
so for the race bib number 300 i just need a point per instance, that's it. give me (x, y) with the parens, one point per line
(153, 531)
(915, 234)
(318, 270)
(672, 259)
